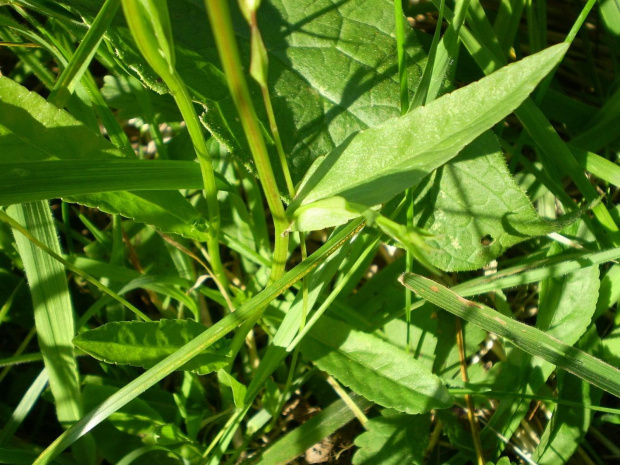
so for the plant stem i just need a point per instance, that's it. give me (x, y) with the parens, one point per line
(402, 62)
(222, 28)
(404, 107)
(184, 102)
(164, 66)
(473, 423)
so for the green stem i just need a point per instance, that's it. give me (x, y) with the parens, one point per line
(222, 28)
(404, 107)
(143, 37)
(276, 137)
(402, 61)
(184, 102)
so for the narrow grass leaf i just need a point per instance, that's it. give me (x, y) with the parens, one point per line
(375, 165)
(531, 340)
(144, 344)
(507, 23)
(30, 181)
(602, 130)
(569, 424)
(31, 396)
(373, 368)
(553, 267)
(558, 299)
(53, 312)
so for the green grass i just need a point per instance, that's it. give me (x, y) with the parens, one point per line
(269, 170)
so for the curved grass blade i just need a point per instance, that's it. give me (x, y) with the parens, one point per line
(531, 340)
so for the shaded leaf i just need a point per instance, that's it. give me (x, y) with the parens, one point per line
(475, 209)
(393, 438)
(373, 368)
(120, 93)
(332, 69)
(144, 344)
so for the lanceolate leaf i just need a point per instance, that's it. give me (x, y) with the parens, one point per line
(531, 340)
(374, 165)
(144, 344)
(373, 368)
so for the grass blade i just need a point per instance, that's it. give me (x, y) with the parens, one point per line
(531, 340)
(30, 181)
(53, 312)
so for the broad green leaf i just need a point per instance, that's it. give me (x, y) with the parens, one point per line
(393, 439)
(144, 344)
(531, 340)
(475, 209)
(374, 165)
(332, 69)
(373, 368)
(31, 129)
(556, 153)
